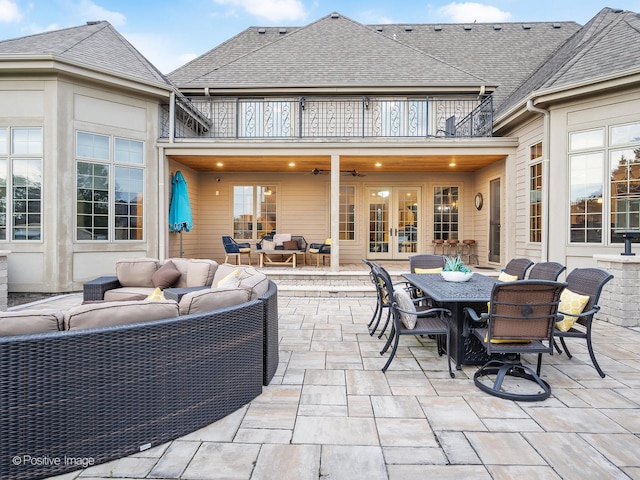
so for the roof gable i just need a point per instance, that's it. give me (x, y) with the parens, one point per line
(333, 52)
(607, 44)
(97, 45)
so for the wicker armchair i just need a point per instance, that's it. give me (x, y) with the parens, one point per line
(409, 320)
(546, 271)
(521, 320)
(231, 247)
(518, 267)
(585, 281)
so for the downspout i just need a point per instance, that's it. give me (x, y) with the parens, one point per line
(546, 177)
(172, 116)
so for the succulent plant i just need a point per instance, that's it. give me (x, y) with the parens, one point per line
(455, 264)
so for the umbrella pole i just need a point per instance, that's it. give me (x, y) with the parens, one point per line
(180, 243)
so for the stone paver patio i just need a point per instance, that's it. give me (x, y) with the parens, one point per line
(331, 413)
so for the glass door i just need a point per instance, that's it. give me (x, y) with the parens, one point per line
(494, 220)
(393, 222)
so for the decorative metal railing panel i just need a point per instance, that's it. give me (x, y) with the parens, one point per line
(322, 118)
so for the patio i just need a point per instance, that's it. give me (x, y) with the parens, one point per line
(331, 412)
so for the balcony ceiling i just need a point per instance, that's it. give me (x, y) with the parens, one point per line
(305, 164)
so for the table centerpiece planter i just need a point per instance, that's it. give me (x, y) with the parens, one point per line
(456, 271)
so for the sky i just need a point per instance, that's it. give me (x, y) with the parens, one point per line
(169, 33)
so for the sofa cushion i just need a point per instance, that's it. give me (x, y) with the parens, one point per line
(232, 280)
(118, 313)
(26, 322)
(210, 299)
(200, 272)
(280, 238)
(166, 276)
(136, 272)
(127, 293)
(254, 281)
(268, 245)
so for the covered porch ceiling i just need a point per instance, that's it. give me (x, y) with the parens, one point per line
(396, 163)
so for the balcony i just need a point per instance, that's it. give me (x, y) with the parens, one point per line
(328, 118)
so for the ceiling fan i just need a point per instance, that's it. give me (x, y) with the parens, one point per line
(353, 173)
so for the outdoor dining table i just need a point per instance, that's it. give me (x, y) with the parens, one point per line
(475, 293)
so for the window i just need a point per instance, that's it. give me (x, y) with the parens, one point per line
(21, 183)
(593, 199)
(586, 197)
(445, 213)
(254, 202)
(535, 194)
(110, 190)
(625, 180)
(347, 212)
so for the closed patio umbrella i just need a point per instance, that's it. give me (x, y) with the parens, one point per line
(180, 209)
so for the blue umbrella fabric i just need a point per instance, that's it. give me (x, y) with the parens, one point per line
(180, 209)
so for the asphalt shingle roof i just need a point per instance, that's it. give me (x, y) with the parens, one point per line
(97, 45)
(334, 51)
(606, 45)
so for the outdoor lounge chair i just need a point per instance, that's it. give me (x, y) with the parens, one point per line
(320, 250)
(520, 320)
(546, 271)
(409, 320)
(231, 247)
(587, 282)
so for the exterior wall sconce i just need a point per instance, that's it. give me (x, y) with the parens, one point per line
(302, 102)
(366, 102)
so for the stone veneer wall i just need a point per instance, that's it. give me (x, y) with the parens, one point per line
(4, 277)
(621, 296)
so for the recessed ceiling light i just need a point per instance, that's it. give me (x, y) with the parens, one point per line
(292, 164)
(220, 164)
(378, 164)
(452, 164)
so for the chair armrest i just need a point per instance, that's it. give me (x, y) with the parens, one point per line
(594, 309)
(94, 289)
(244, 245)
(473, 320)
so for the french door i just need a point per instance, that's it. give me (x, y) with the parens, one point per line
(394, 222)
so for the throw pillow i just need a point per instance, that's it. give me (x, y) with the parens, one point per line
(571, 303)
(428, 270)
(166, 276)
(231, 280)
(290, 245)
(268, 245)
(405, 303)
(505, 277)
(155, 296)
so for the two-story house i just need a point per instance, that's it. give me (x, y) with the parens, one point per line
(520, 136)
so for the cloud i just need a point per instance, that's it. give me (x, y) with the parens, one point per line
(473, 12)
(90, 11)
(161, 50)
(271, 10)
(9, 11)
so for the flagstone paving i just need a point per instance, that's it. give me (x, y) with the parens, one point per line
(331, 413)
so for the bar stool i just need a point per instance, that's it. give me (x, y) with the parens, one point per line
(453, 246)
(438, 243)
(468, 249)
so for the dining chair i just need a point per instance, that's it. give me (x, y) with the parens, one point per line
(407, 319)
(425, 263)
(518, 267)
(521, 320)
(379, 303)
(231, 247)
(586, 282)
(383, 298)
(546, 271)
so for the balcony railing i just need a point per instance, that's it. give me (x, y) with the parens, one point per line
(309, 118)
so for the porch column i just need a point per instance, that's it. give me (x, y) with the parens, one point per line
(335, 213)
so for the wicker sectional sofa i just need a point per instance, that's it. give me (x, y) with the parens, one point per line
(86, 396)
